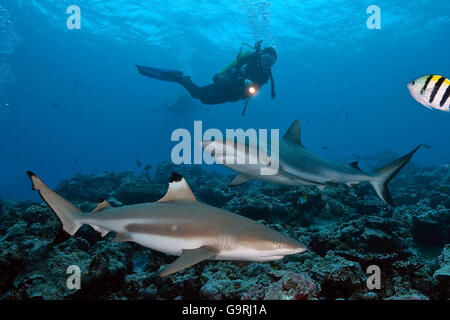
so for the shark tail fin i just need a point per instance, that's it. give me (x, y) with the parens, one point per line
(382, 176)
(63, 209)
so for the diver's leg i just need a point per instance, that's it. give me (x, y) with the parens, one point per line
(191, 87)
(213, 94)
(210, 94)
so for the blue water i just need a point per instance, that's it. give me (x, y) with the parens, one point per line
(72, 102)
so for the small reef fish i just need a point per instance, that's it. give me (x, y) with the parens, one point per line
(303, 199)
(138, 163)
(147, 167)
(432, 91)
(177, 224)
(298, 166)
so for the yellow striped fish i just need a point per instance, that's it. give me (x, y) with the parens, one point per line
(432, 91)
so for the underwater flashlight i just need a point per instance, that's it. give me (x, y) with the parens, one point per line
(251, 90)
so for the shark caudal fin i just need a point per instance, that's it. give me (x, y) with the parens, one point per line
(64, 210)
(383, 175)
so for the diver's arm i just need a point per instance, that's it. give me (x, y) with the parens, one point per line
(272, 85)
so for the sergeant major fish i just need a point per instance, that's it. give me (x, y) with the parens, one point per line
(432, 91)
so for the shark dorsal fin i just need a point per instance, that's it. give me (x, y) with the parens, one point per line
(178, 190)
(355, 165)
(293, 134)
(102, 205)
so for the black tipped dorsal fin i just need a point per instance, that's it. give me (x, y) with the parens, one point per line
(293, 134)
(355, 165)
(178, 190)
(102, 205)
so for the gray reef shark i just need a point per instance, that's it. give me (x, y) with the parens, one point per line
(178, 225)
(298, 166)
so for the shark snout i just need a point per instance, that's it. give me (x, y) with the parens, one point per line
(211, 146)
(292, 246)
(300, 249)
(205, 143)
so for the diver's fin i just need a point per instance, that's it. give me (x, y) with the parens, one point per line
(102, 205)
(189, 258)
(178, 190)
(238, 180)
(355, 165)
(383, 175)
(64, 210)
(161, 74)
(293, 134)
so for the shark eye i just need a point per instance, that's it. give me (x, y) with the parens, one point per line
(279, 246)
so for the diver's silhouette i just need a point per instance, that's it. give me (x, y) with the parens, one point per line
(240, 80)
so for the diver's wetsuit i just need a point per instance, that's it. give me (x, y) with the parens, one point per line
(231, 87)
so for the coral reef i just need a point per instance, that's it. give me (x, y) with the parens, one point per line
(345, 229)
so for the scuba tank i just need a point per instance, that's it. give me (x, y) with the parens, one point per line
(255, 48)
(241, 54)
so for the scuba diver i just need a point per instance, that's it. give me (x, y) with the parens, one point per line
(240, 80)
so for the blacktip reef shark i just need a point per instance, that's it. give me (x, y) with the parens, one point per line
(178, 225)
(298, 166)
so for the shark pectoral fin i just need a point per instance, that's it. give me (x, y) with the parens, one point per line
(102, 205)
(188, 258)
(120, 237)
(178, 190)
(238, 180)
